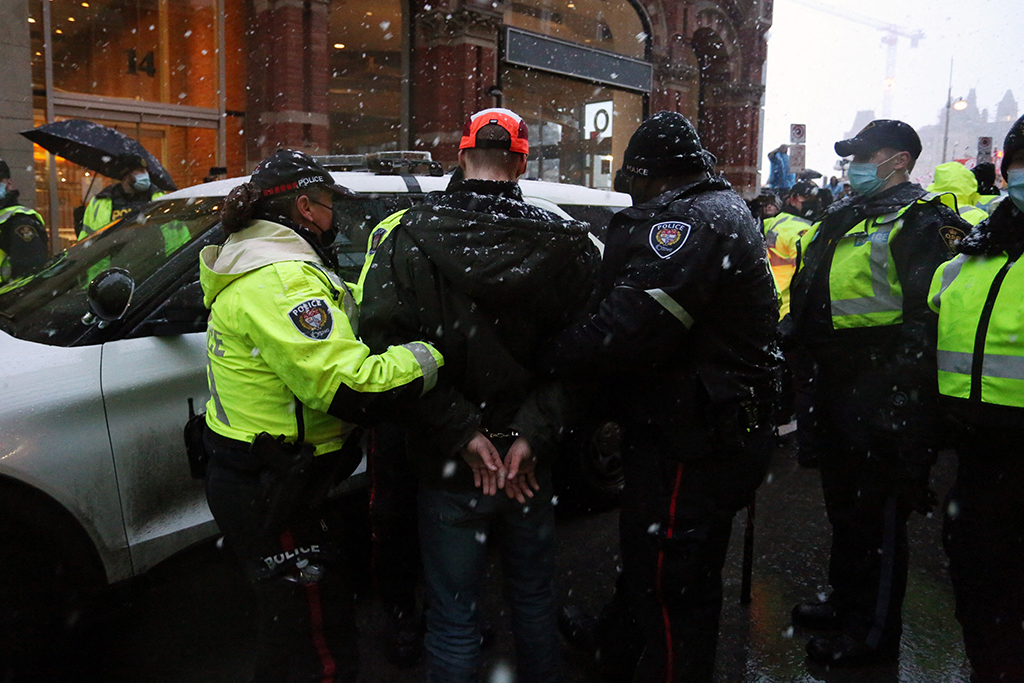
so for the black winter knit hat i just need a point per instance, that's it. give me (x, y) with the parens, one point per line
(1014, 142)
(666, 144)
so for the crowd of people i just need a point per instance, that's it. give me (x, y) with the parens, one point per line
(486, 325)
(886, 317)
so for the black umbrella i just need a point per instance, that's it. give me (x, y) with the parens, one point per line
(99, 149)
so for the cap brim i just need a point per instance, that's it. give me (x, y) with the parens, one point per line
(855, 146)
(339, 190)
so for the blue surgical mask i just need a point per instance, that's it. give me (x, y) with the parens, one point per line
(141, 182)
(1015, 187)
(864, 176)
(3, 190)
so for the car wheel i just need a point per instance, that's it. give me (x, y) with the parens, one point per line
(589, 473)
(43, 589)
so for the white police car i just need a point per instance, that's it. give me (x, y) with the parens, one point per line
(94, 482)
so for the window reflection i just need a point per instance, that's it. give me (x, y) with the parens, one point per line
(578, 131)
(611, 26)
(151, 50)
(367, 65)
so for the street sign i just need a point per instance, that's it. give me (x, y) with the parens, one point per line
(797, 133)
(984, 150)
(797, 158)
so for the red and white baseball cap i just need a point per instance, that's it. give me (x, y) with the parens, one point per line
(506, 118)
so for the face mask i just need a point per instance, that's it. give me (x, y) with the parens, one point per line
(3, 190)
(1015, 187)
(141, 182)
(864, 176)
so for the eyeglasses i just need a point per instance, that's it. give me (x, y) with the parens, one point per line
(326, 206)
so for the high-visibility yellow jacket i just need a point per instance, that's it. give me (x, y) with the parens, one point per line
(959, 190)
(981, 330)
(782, 235)
(26, 232)
(99, 212)
(281, 346)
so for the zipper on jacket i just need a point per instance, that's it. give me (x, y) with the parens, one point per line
(978, 361)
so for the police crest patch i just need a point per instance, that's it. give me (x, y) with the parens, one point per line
(376, 238)
(313, 319)
(25, 232)
(669, 237)
(952, 236)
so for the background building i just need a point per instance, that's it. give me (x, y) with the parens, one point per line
(205, 83)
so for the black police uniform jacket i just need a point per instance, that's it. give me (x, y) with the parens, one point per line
(23, 239)
(683, 327)
(892, 367)
(488, 279)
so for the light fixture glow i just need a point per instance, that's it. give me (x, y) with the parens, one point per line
(339, 46)
(960, 105)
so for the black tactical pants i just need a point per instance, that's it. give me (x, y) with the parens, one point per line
(860, 476)
(674, 531)
(984, 538)
(393, 515)
(306, 623)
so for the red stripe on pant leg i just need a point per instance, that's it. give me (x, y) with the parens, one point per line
(669, 652)
(316, 620)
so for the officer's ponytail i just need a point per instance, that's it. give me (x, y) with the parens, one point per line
(239, 207)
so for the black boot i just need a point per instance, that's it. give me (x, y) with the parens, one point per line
(578, 628)
(845, 652)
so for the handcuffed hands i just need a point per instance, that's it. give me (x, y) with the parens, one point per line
(482, 457)
(518, 478)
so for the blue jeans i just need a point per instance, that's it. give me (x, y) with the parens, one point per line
(455, 529)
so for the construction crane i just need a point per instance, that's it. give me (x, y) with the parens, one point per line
(892, 35)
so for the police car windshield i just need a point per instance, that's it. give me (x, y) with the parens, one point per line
(48, 306)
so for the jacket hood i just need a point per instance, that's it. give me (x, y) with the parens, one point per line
(260, 244)
(1002, 231)
(954, 177)
(492, 246)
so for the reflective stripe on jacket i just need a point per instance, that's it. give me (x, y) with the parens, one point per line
(99, 213)
(280, 331)
(981, 332)
(863, 285)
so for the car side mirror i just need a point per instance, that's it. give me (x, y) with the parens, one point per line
(110, 294)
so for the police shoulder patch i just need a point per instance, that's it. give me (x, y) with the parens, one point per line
(952, 236)
(25, 232)
(313, 319)
(669, 237)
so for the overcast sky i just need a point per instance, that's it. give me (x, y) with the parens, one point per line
(823, 68)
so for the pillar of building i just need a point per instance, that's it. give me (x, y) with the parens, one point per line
(289, 75)
(454, 66)
(16, 97)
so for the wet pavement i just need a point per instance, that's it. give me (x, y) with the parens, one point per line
(192, 618)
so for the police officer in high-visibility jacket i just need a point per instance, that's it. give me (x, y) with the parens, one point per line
(981, 384)
(860, 306)
(22, 235)
(959, 191)
(288, 380)
(120, 199)
(782, 235)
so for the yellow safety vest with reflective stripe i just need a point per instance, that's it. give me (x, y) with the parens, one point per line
(99, 213)
(284, 331)
(5, 214)
(782, 236)
(980, 353)
(989, 202)
(377, 235)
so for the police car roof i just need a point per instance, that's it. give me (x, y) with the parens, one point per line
(370, 183)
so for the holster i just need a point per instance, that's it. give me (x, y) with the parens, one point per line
(285, 477)
(195, 449)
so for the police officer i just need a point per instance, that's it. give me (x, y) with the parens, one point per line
(859, 305)
(22, 235)
(683, 341)
(288, 378)
(120, 199)
(981, 384)
(782, 235)
(959, 191)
